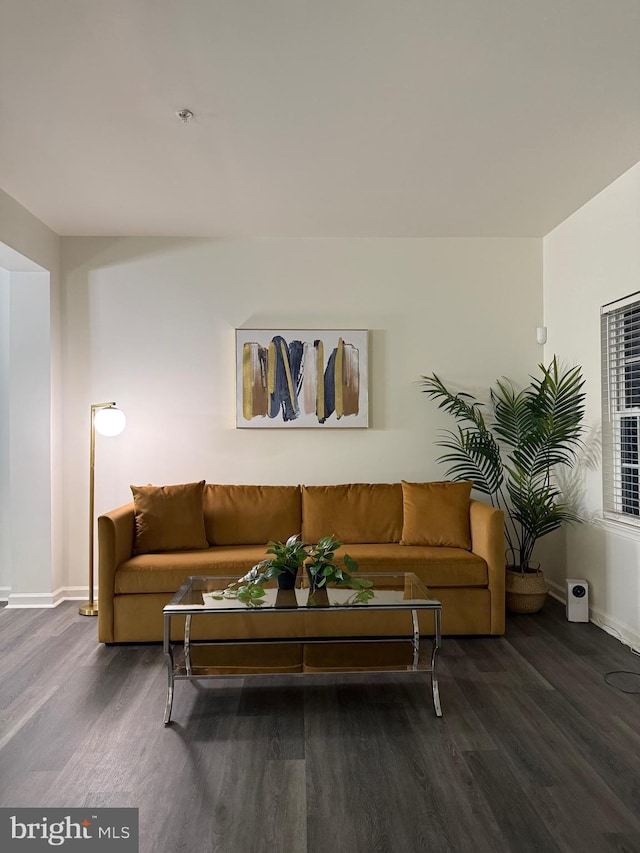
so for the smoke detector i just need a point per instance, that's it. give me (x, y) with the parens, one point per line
(184, 115)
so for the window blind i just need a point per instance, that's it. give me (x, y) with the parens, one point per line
(620, 340)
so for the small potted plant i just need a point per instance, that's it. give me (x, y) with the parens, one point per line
(283, 566)
(322, 569)
(286, 560)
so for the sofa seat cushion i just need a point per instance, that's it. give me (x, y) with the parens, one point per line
(166, 572)
(442, 567)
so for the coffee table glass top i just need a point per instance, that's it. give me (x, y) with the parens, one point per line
(395, 590)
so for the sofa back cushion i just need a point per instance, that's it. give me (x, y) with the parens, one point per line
(251, 515)
(436, 514)
(353, 512)
(168, 518)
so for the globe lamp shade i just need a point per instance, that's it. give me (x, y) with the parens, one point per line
(110, 420)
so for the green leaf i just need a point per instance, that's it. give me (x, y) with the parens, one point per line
(473, 456)
(364, 595)
(454, 404)
(350, 563)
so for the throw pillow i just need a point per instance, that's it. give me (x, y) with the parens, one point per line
(353, 512)
(169, 518)
(436, 514)
(250, 515)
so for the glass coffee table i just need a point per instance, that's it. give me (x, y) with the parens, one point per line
(393, 591)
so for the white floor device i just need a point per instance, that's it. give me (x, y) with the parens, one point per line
(577, 600)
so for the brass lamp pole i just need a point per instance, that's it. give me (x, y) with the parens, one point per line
(107, 420)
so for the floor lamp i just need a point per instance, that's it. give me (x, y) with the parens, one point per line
(107, 420)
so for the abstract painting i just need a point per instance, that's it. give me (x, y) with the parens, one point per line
(301, 378)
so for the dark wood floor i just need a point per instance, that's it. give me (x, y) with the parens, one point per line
(535, 751)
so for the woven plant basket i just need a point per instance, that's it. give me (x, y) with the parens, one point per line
(526, 592)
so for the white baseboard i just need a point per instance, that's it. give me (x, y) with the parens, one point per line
(557, 591)
(44, 599)
(34, 599)
(621, 632)
(78, 593)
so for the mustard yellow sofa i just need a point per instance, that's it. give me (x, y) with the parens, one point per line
(379, 524)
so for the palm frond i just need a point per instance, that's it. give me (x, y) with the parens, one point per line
(556, 401)
(538, 510)
(473, 456)
(512, 416)
(555, 407)
(463, 407)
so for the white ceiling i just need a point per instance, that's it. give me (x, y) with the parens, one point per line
(318, 118)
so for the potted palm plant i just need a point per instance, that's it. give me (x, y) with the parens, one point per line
(512, 458)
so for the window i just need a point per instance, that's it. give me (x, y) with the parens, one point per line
(620, 330)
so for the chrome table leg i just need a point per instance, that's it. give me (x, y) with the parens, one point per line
(187, 644)
(437, 642)
(168, 656)
(416, 639)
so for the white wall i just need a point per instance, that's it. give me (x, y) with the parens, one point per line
(28, 246)
(590, 259)
(27, 236)
(149, 323)
(5, 504)
(30, 437)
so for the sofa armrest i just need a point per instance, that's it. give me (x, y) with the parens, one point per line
(116, 533)
(487, 541)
